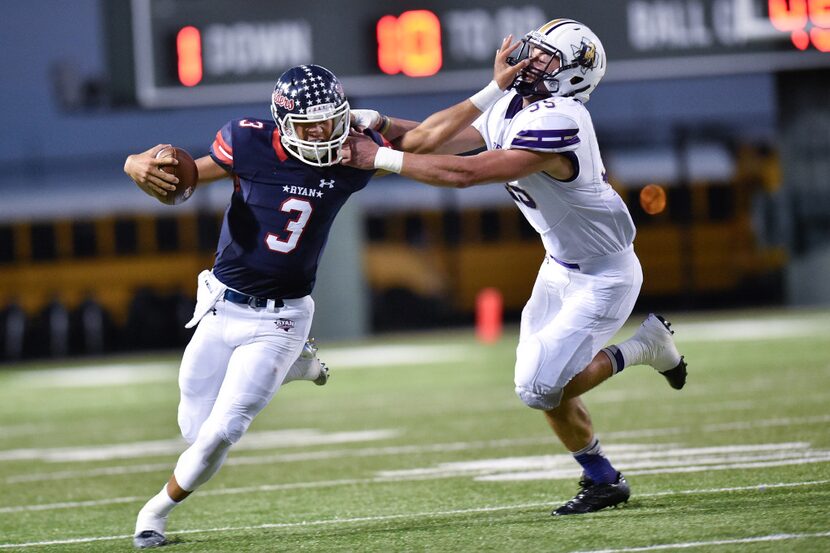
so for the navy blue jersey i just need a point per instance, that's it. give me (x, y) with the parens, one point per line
(281, 211)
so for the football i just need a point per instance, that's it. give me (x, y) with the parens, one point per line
(186, 172)
(653, 199)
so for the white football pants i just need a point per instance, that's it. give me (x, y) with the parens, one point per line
(232, 367)
(570, 316)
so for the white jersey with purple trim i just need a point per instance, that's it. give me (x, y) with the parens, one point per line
(578, 219)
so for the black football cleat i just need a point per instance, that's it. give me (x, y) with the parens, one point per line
(595, 497)
(677, 375)
(148, 539)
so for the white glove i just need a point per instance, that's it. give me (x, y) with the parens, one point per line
(366, 118)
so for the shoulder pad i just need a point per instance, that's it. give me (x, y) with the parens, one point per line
(543, 130)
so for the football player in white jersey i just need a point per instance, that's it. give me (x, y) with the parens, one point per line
(540, 142)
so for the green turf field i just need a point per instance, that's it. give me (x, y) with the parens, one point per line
(419, 444)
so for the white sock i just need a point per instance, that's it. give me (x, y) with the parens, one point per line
(297, 370)
(633, 351)
(615, 356)
(153, 516)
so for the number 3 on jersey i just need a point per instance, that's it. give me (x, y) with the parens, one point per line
(294, 228)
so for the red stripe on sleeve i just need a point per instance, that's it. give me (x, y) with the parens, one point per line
(277, 145)
(224, 145)
(221, 149)
(216, 148)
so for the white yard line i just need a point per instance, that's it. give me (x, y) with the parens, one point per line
(292, 437)
(287, 458)
(751, 329)
(692, 544)
(14, 430)
(117, 374)
(339, 358)
(396, 355)
(563, 474)
(295, 437)
(431, 514)
(639, 459)
(392, 355)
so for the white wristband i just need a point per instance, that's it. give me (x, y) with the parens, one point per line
(487, 96)
(389, 160)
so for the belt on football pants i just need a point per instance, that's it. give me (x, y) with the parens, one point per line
(565, 264)
(238, 297)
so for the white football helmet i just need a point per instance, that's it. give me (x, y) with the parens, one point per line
(305, 94)
(581, 61)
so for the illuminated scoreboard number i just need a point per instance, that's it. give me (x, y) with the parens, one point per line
(203, 52)
(807, 21)
(410, 44)
(189, 64)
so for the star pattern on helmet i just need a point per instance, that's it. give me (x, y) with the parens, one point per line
(309, 86)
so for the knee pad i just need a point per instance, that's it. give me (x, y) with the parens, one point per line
(191, 416)
(215, 435)
(535, 399)
(212, 437)
(232, 428)
(530, 355)
(201, 460)
(188, 429)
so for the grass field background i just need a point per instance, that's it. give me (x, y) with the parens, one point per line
(418, 443)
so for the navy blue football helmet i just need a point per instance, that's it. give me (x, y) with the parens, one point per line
(309, 93)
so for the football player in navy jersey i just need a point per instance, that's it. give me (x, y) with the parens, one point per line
(253, 308)
(541, 145)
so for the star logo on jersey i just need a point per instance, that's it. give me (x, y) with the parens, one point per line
(326, 183)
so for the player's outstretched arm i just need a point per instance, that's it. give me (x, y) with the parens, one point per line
(391, 129)
(394, 129)
(455, 171)
(487, 167)
(209, 170)
(448, 131)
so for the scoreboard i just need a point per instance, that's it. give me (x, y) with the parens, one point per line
(199, 52)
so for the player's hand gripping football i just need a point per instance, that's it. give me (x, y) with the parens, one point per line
(359, 151)
(145, 170)
(503, 73)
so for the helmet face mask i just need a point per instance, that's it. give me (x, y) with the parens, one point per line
(307, 94)
(581, 61)
(535, 81)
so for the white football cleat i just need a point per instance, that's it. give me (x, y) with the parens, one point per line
(313, 369)
(148, 539)
(149, 530)
(659, 350)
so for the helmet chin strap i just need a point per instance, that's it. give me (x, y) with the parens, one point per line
(536, 87)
